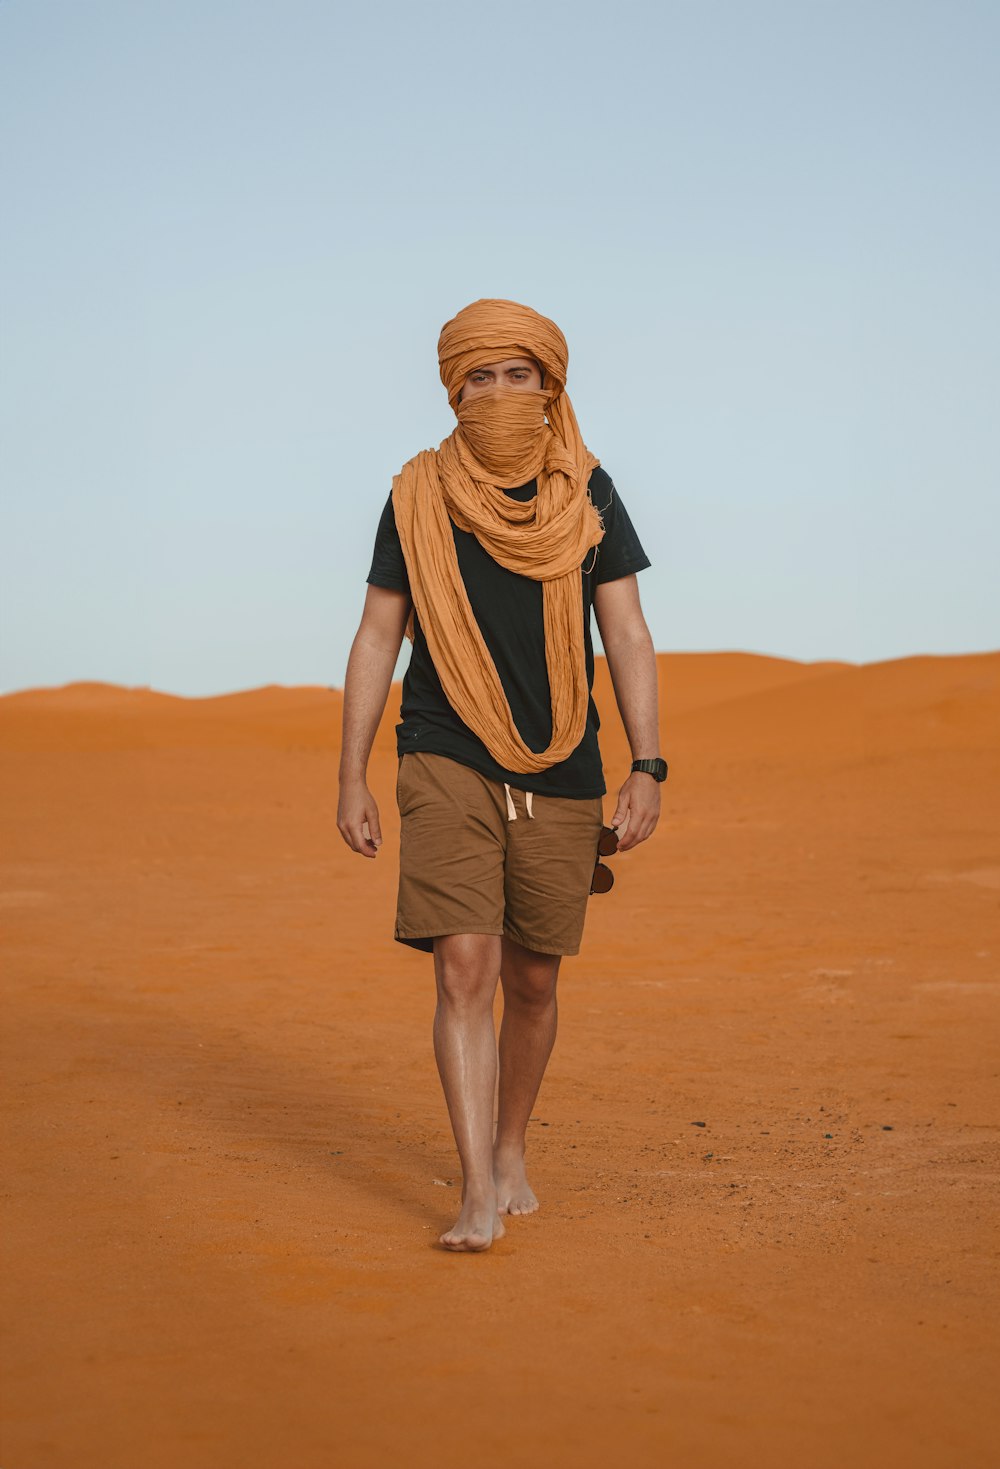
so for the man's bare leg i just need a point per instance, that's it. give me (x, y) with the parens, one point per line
(466, 968)
(527, 1035)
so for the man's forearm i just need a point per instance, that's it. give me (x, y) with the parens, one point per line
(366, 688)
(632, 665)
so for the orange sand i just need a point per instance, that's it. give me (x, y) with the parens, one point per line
(229, 1158)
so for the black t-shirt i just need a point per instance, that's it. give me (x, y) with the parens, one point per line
(508, 609)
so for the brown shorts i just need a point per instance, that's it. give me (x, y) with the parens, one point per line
(477, 856)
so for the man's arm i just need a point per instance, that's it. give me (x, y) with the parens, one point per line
(632, 665)
(366, 688)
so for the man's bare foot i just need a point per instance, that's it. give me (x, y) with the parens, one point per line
(514, 1193)
(478, 1225)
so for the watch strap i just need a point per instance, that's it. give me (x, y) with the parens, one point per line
(656, 768)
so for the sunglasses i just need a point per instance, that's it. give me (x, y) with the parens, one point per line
(603, 879)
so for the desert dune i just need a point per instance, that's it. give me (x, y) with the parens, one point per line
(766, 1147)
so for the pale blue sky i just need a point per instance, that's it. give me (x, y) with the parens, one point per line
(232, 232)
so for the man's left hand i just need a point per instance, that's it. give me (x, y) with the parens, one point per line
(638, 809)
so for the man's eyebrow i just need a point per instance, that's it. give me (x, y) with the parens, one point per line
(514, 367)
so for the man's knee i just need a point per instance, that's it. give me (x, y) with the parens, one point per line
(529, 978)
(467, 967)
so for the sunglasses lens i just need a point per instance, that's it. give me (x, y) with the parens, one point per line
(603, 879)
(608, 841)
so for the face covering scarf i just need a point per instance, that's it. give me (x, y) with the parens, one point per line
(504, 437)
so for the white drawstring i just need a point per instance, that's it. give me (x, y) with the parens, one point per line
(512, 809)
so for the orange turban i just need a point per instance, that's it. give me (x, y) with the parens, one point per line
(504, 437)
(489, 331)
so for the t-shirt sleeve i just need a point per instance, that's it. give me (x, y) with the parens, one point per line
(620, 553)
(388, 566)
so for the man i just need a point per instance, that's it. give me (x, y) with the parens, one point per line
(490, 553)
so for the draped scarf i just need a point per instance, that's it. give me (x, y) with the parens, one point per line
(504, 437)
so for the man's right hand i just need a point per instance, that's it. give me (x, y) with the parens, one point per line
(366, 687)
(357, 818)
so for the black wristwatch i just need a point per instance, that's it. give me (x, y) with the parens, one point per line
(656, 768)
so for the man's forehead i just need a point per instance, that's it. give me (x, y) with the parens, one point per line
(505, 362)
